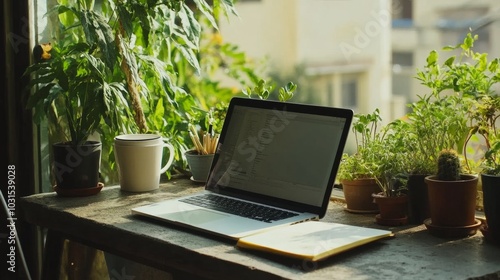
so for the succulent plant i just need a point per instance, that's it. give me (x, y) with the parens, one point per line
(448, 165)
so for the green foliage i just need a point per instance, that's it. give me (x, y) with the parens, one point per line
(308, 93)
(437, 122)
(105, 51)
(263, 90)
(362, 163)
(476, 80)
(439, 119)
(492, 159)
(484, 113)
(76, 90)
(448, 165)
(380, 154)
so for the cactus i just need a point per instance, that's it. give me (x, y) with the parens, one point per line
(448, 166)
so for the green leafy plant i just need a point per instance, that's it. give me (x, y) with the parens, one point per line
(492, 159)
(484, 113)
(360, 164)
(393, 159)
(76, 91)
(475, 76)
(438, 119)
(380, 154)
(263, 90)
(127, 53)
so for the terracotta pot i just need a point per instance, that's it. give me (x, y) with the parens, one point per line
(393, 209)
(452, 203)
(418, 200)
(491, 200)
(358, 195)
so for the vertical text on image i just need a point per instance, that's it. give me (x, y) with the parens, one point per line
(11, 218)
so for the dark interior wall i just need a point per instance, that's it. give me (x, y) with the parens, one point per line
(16, 133)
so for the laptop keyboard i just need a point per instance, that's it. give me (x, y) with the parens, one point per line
(238, 207)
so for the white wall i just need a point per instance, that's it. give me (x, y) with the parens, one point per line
(327, 37)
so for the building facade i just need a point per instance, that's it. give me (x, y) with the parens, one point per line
(360, 54)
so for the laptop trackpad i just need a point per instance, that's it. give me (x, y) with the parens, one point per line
(197, 216)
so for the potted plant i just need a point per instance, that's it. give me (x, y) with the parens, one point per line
(484, 115)
(356, 171)
(70, 88)
(452, 198)
(390, 175)
(438, 120)
(490, 178)
(476, 77)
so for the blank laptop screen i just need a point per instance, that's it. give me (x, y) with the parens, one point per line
(279, 153)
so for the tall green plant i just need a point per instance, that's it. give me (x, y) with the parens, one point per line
(76, 90)
(128, 50)
(439, 118)
(471, 76)
(381, 153)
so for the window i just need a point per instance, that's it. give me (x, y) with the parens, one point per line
(402, 13)
(404, 59)
(403, 71)
(349, 91)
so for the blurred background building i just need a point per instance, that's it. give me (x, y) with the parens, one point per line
(360, 54)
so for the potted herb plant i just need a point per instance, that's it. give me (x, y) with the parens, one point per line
(391, 176)
(452, 198)
(438, 120)
(474, 76)
(357, 171)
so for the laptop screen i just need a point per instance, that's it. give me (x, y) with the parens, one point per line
(286, 151)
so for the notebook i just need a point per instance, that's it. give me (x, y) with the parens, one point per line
(312, 241)
(275, 165)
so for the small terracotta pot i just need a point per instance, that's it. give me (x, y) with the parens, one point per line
(391, 207)
(358, 195)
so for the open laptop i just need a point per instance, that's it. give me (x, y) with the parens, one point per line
(275, 165)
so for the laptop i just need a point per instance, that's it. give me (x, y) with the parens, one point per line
(275, 165)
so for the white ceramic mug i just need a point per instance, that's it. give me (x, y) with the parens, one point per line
(139, 158)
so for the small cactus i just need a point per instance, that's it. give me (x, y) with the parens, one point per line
(448, 166)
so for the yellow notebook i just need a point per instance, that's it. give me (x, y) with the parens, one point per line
(312, 240)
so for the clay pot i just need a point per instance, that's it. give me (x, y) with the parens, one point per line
(358, 195)
(393, 209)
(452, 203)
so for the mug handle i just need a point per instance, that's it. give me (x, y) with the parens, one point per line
(171, 157)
